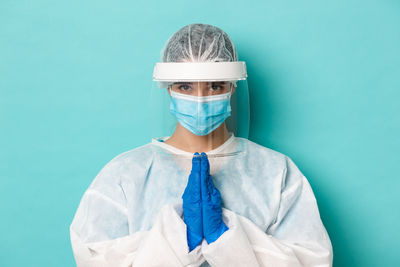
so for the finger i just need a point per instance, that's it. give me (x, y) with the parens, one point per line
(192, 189)
(204, 180)
(213, 194)
(196, 161)
(205, 168)
(205, 164)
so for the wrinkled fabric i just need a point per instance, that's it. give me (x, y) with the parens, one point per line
(131, 212)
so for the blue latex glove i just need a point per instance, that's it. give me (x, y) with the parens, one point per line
(213, 225)
(192, 205)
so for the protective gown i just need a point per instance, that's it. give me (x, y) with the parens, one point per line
(131, 214)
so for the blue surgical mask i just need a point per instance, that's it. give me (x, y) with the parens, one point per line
(200, 114)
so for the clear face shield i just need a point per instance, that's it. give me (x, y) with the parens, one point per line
(200, 106)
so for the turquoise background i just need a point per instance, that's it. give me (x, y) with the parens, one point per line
(75, 77)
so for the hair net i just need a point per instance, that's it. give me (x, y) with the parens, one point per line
(199, 43)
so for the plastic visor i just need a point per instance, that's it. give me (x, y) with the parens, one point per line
(209, 107)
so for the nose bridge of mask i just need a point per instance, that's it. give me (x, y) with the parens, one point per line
(200, 99)
(203, 108)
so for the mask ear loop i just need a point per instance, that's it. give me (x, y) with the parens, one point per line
(169, 88)
(233, 84)
(230, 87)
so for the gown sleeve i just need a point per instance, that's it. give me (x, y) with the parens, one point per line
(100, 234)
(297, 237)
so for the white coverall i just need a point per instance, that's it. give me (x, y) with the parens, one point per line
(131, 215)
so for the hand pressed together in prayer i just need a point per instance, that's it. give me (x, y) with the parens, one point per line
(202, 209)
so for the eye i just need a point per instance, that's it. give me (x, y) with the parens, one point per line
(217, 86)
(184, 87)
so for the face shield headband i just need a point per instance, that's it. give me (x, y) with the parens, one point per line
(166, 73)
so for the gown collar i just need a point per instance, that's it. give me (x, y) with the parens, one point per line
(160, 142)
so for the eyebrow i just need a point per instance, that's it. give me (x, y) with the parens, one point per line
(221, 82)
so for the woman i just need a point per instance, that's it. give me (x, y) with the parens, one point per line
(237, 204)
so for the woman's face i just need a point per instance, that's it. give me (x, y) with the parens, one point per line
(202, 88)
